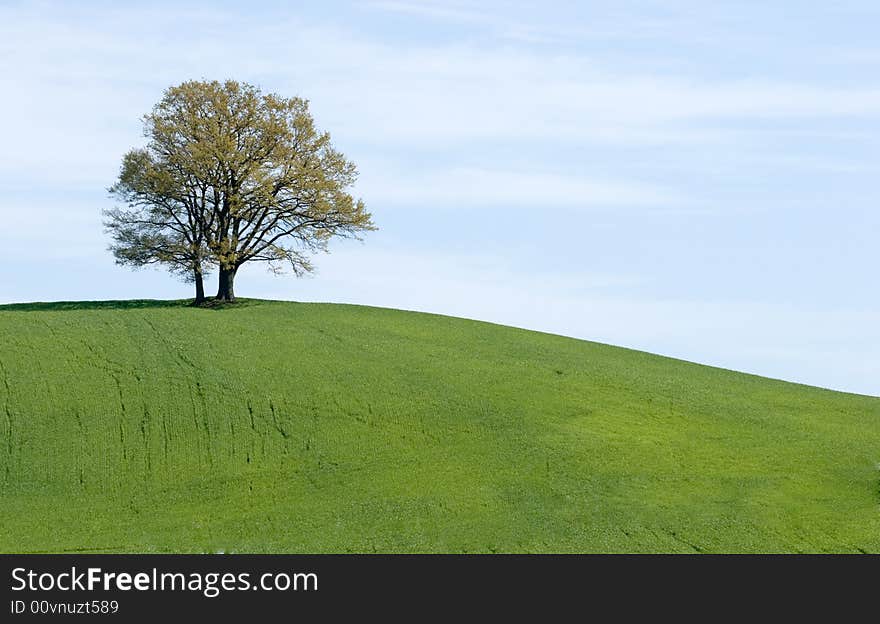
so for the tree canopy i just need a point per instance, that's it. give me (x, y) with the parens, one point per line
(231, 175)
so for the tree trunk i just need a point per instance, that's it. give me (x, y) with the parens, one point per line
(225, 290)
(200, 285)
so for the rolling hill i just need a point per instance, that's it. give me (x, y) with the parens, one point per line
(149, 426)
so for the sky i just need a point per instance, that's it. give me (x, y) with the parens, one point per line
(695, 179)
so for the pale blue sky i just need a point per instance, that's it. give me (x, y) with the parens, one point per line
(697, 179)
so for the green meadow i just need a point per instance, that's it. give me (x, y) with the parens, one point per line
(148, 426)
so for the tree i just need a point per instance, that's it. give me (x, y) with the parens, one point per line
(232, 175)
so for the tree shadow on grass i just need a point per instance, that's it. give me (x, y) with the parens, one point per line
(129, 304)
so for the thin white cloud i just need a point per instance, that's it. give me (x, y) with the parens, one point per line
(463, 186)
(95, 74)
(446, 10)
(570, 23)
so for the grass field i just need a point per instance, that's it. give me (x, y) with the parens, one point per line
(288, 427)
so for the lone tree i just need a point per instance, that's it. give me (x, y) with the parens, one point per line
(231, 175)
